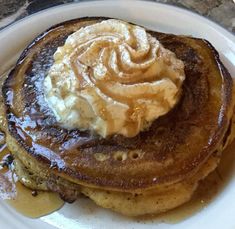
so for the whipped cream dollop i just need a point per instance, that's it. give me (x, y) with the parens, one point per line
(112, 77)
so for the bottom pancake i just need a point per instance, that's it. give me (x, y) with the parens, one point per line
(131, 204)
(152, 201)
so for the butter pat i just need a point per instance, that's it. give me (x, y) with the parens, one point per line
(112, 78)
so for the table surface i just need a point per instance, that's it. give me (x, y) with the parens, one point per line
(220, 11)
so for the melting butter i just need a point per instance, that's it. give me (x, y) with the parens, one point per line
(112, 77)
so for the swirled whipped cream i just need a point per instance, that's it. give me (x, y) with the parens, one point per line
(112, 77)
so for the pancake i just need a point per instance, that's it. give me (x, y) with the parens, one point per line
(179, 149)
(154, 201)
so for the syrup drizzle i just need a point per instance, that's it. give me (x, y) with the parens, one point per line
(24, 200)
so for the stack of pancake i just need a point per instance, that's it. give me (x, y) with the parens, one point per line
(156, 170)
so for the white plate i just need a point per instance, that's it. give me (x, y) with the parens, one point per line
(84, 214)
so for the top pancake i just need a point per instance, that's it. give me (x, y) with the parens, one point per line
(175, 146)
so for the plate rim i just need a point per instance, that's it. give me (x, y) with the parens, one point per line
(149, 2)
(14, 25)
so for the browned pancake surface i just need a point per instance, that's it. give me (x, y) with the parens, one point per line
(175, 145)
